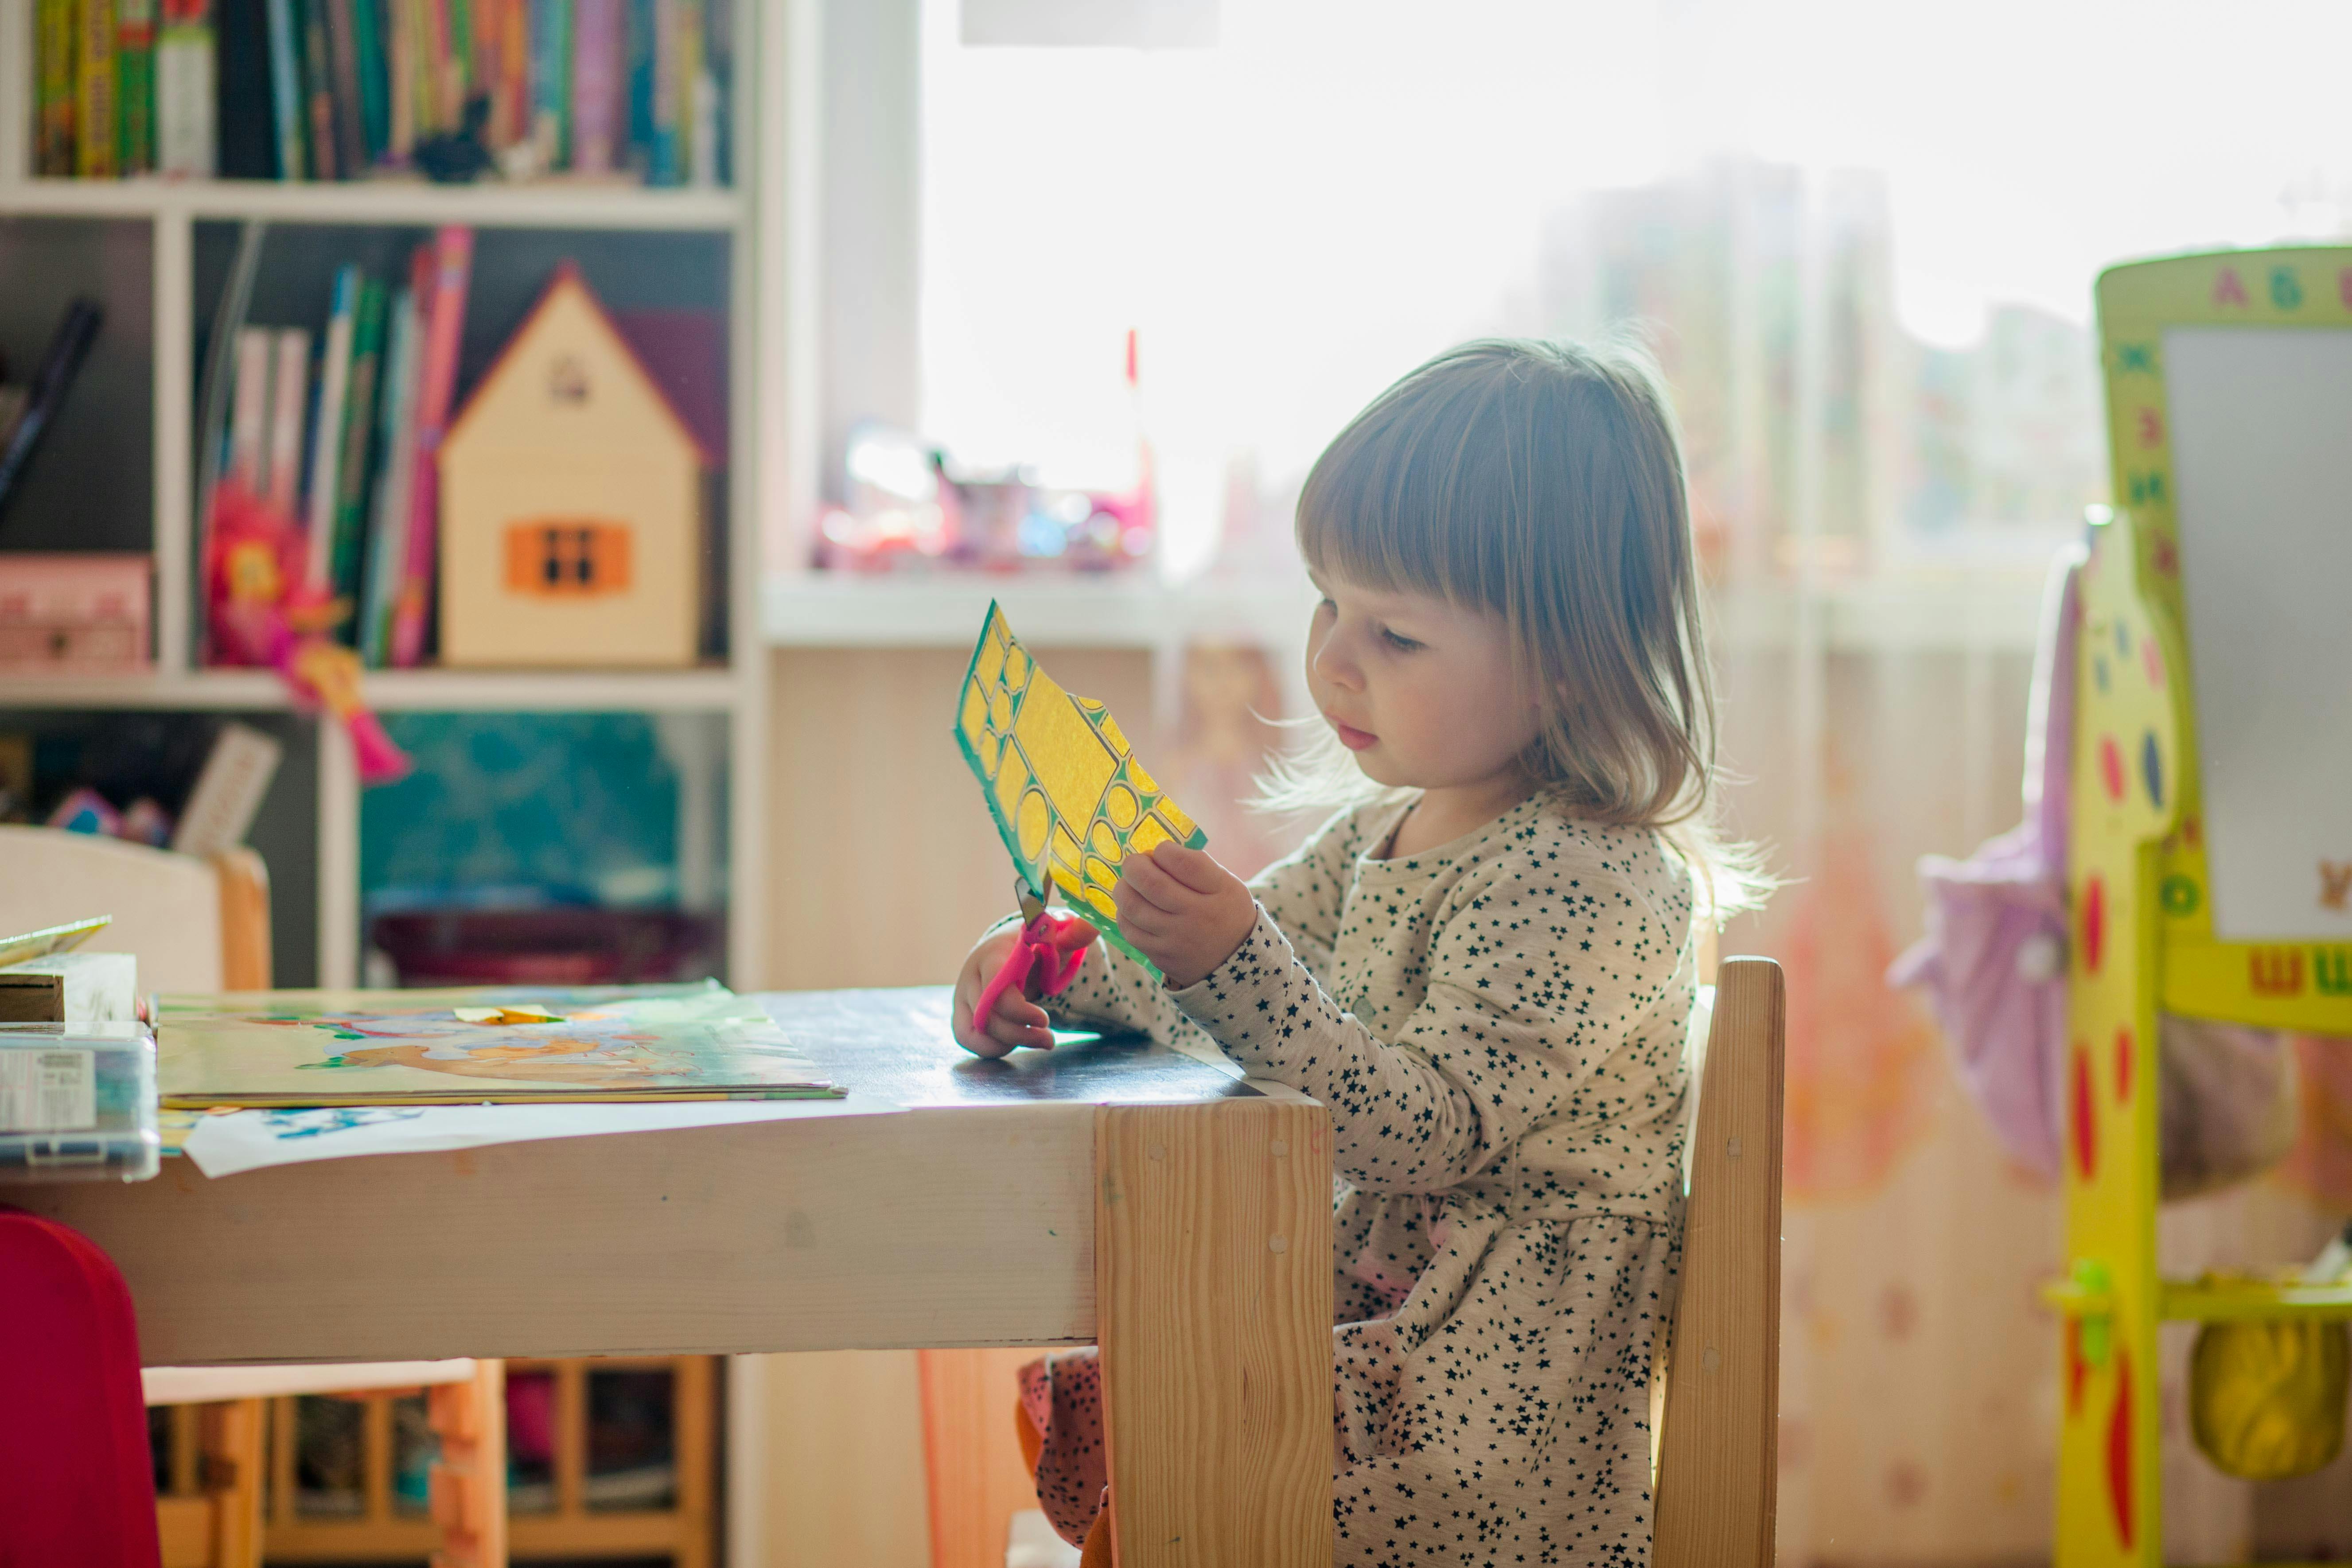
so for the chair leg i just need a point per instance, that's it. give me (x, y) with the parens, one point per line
(229, 1439)
(469, 1478)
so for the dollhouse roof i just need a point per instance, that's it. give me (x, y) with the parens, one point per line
(566, 286)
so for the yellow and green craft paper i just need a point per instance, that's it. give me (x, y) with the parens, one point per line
(1060, 779)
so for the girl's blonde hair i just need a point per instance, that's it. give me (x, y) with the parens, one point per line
(1541, 482)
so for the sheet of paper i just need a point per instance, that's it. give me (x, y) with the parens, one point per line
(1068, 797)
(2263, 485)
(224, 1145)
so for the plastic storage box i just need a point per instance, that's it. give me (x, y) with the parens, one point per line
(77, 1102)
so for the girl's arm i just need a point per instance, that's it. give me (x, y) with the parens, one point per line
(1303, 891)
(1512, 1034)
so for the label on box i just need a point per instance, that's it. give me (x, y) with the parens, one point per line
(48, 1090)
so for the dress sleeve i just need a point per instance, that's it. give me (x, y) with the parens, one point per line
(1302, 890)
(1511, 1034)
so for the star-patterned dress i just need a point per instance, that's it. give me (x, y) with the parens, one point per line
(1498, 1027)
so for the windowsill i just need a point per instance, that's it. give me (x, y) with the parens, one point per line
(1988, 612)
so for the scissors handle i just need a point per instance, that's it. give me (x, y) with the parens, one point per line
(1014, 971)
(1036, 944)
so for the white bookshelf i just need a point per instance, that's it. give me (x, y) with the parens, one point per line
(170, 211)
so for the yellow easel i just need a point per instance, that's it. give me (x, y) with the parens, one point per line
(2140, 897)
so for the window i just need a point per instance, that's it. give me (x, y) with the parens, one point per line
(1863, 238)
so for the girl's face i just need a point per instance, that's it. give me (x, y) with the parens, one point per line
(1421, 689)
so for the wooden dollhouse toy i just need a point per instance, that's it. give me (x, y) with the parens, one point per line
(572, 504)
(2212, 840)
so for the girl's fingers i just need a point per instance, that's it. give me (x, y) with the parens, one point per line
(1195, 870)
(1018, 1011)
(1008, 1034)
(1136, 912)
(1151, 882)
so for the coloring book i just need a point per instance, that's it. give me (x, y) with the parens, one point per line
(513, 1044)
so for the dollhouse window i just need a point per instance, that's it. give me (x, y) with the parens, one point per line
(567, 559)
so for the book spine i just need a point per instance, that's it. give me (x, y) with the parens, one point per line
(352, 471)
(641, 84)
(447, 88)
(318, 89)
(665, 158)
(461, 60)
(286, 101)
(387, 545)
(326, 434)
(53, 153)
(184, 136)
(343, 78)
(514, 71)
(135, 86)
(96, 132)
(692, 94)
(368, 65)
(248, 429)
(400, 81)
(289, 395)
(550, 80)
(437, 383)
(596, 77)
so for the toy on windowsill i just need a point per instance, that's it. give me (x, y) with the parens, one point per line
(263, 611)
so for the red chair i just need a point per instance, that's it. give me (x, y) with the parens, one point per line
(76, 1485)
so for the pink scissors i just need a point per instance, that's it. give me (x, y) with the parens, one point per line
(1059, 942)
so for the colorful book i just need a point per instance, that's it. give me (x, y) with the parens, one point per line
(244, 114)
(351, 469)
(596, 45)
(665, 157)
(134, 86)
(56, 103)
(325, 492)
(641, 83)
(387, 544)
(508, 1045)
(446, 93)
(317, 90)
(288, 106)
(697, 100)
(436, 384)
(248, 427)
(184, 91)
(339, 21)
(550, 80)
(370, 65)
(290, 400)
(96, 130)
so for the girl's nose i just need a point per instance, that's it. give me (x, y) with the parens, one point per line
(1330, 662)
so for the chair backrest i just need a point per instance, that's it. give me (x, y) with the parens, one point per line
(194, 924)
(1718, 1466)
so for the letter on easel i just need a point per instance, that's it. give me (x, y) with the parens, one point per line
(2275, 971)
(2227, 289)
(2331, 970)
(2335, 885)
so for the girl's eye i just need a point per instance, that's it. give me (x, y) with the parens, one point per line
(1402, 644)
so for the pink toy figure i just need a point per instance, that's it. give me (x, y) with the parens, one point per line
(264, 611)
(1057, 942)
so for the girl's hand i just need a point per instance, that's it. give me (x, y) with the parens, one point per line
(1015, 1020)
(1182, 911)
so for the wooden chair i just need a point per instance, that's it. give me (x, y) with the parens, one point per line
(1718, 1466)
(203, 925)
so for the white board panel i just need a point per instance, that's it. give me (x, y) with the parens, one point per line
(2262, 443)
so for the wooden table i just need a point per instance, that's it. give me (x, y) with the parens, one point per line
(1113, 1192)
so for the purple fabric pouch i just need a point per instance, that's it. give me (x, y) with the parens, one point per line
(1993, 960)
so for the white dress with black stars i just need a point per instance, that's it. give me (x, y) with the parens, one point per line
(1497, 1026)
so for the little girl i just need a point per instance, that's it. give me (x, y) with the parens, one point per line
(1483, 965)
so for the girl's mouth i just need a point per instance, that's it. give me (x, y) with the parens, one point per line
(1355, 740)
